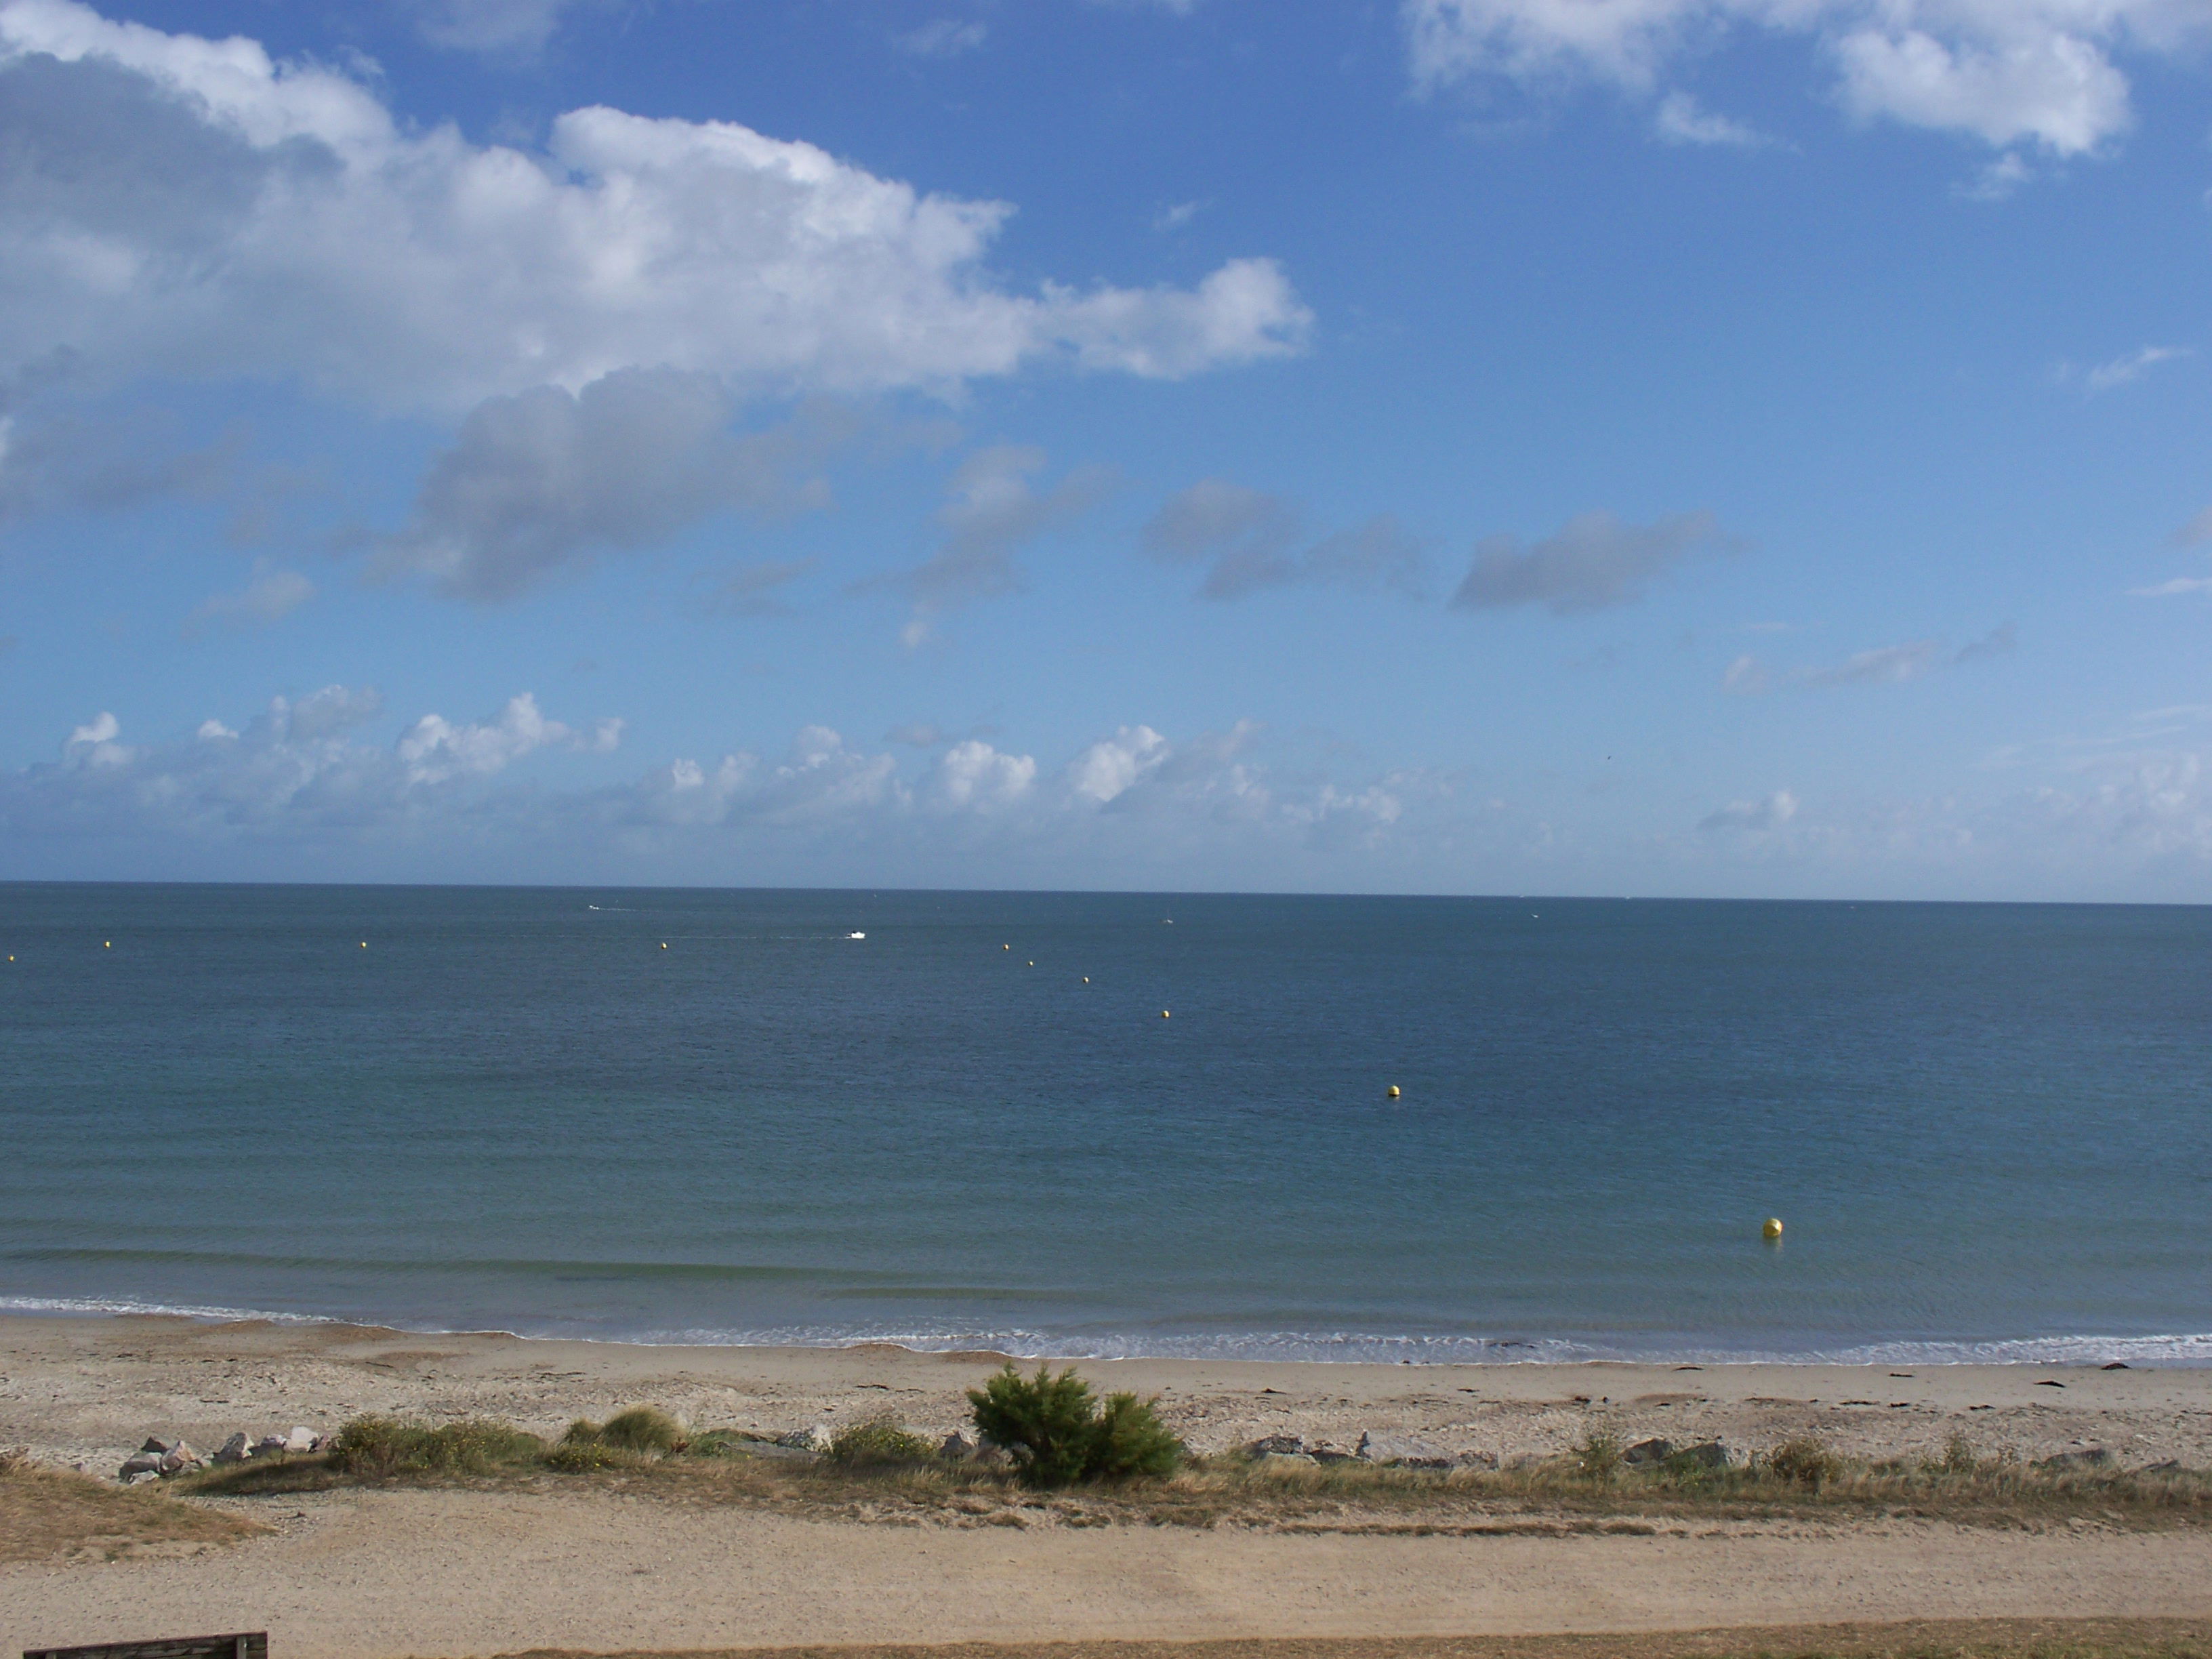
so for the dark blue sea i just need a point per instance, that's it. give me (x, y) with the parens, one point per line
(724, 1116)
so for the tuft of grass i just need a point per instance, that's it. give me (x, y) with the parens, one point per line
(644, 1429)
(1599, 1458)
(1805, 1461)
(1058, 1434)
(878, 1442)
(379, 1448)
(50, 1513)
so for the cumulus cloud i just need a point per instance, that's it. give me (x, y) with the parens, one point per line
(1595, 561)
(2008, 72)
(993, 512)
(435, 749)
(187, 207)
(1249, 540)
(547, 480)
(1752, 817)
(271, 595)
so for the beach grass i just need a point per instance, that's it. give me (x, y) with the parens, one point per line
(878, 1470)
(50, 1514)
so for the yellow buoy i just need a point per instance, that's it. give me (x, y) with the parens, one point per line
(1394, 1091)
(364, 945)
(1033, 964)
(1772, 1229)
(108, 944)
(1086, 978)
(663, 944)
(1163, 1013)
(1005, 947)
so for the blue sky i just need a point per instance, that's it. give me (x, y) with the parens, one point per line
(1653, 446)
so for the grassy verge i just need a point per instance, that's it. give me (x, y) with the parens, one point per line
(46, 1514)
(881, 1473)
(1978, 1639)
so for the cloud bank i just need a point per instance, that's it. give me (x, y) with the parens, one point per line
(187, 207)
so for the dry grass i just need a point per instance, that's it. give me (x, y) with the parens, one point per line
(1981, 1638)
(1801, 1483)
(46, 1514)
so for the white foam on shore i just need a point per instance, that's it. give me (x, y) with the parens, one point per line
(1342, 1347)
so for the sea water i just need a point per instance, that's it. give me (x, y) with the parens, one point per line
(1093, 1125)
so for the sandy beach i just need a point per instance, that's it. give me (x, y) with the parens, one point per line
(354, 1573)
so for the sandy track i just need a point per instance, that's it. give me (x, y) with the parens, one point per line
(364, 1575)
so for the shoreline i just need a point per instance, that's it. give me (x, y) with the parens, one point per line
(84, 1388)
(2163, 1350)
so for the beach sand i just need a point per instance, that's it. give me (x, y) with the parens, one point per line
(354, 1573)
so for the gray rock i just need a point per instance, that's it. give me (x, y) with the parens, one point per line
(957, 1446)
(1277, 1445)
(1327, 1451)
(1712, 1454)
(303, 1440)
(1644, 1452)
(232, 1450)
(142, 1463)
(268, 1445)
(1402, 1449)
(140, 1477)
(183, 1458)
(157, 1447)
(814, 1439)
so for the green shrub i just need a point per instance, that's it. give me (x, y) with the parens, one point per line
(1599, 1457)
(1805, 1461)
(384, 1446)
(880, 1440)
(1056, 1432)
(587, 1456)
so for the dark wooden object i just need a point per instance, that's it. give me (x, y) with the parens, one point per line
(249, 1644)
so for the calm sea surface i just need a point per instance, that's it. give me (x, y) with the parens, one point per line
(1988, 1129)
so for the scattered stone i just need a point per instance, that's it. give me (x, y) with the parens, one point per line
(1402, 1449)
(145, 1463)
(234, 1450)
(1644, 1453)
(1277, 1445)
(303, 1440)
(814, 1439)
(1327, 1451)
(1712, 1454)
(157, 1447)
(957, 1446)
(140, 1477)
(183, 1457)
(269, 1445)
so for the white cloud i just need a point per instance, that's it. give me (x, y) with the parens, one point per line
(1595, 561)
(510, 28)
(2038, 72)
(435, 749)
(2133, 366)
(1681, 119)
(180, 206)
(1248, 540)
(271, 595)
(1888, 665)
(2172, 588)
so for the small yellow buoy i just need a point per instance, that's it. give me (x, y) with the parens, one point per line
(108, 944)
(1033, 964)
(1086, 978)
(364, 945)
(1163, 1013)
(1394, 1091)
(1005, 947)
(1772, 1229)
(663, 944)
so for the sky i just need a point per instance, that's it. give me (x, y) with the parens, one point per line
(1649, 447)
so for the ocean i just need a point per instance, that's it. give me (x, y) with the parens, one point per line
(726, 1116)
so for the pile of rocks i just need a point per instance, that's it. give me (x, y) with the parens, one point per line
(1383, 1447)
(159, 1457)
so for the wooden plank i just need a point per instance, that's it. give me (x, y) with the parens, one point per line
(240, 1644)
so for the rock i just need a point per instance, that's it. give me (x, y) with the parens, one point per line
(1402, 1449)
(814, 1439)
(1277, 1445)
(2091, 1457)
(1712, 1454)
(157, 1447)
(957, 1446)
(1327, 1451)
(268, 1445)
(303, 1440)
(148, 1463)
(183, 1458)
(232, 1450)
(1644, 1453)
(140, 1477)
